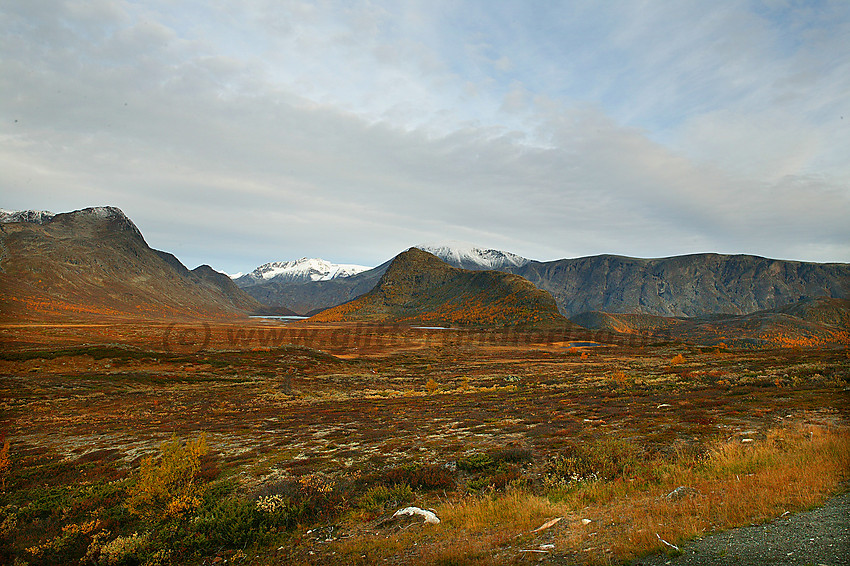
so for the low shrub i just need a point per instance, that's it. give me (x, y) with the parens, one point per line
(382, 498)
(313, 496)
(167, 486)
(606, 460)
(477, 462)
(119, 551)
(514, 454)
(237, 523)
(427, 477)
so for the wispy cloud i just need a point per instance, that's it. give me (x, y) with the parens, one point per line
(237, 133)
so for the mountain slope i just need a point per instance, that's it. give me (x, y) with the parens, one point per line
(95, 262)
(818, 322)
(220, 283)
(309, 296)
(419, 288)
(691, 285)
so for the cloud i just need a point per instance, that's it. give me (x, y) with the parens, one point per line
(239, 135)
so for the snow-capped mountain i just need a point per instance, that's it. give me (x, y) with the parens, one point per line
(468, 256)
(32, 216)
(304, 269)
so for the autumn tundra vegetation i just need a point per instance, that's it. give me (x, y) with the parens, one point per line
(429, 415)
(122, 448)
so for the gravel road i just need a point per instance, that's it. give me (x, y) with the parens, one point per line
(817, 537)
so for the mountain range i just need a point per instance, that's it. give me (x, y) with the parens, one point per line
(691, 285)
(309, 286)
(95, 261)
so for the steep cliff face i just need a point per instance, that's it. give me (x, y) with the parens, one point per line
(692, 285)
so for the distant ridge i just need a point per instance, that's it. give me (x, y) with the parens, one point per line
(308, 296)
(689, 285)
(821, 322)
(299, 271)
(469, 256)
(419, 288)
(33, 216)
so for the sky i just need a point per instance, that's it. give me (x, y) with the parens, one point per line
(237, 133)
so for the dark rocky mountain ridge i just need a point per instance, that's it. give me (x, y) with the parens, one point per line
(690, 285)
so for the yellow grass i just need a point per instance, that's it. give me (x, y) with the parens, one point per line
(733, 483)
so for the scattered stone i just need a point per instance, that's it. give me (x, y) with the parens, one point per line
(547, 524)
(673, 546)
(429, 516)
(585, 521)
(681, 492)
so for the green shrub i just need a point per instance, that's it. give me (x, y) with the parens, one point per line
(476, 463)
(313, 495)
(236, 523)
(381, 497)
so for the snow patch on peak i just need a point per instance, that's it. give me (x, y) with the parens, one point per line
(32, 216)
(304, 269)
(470, 256)
(110, 213)
(105, 212)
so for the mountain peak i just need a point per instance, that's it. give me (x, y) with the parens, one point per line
(470, 256)
(113, 215)
(304, 269)
(419, 288)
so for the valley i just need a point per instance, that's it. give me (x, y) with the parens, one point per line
(150, 415)
(388, 416)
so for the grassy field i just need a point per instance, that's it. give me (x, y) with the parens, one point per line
(140, 443)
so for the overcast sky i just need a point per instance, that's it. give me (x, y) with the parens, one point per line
(236, 133)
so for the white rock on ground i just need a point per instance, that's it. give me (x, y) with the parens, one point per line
(429, 516)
